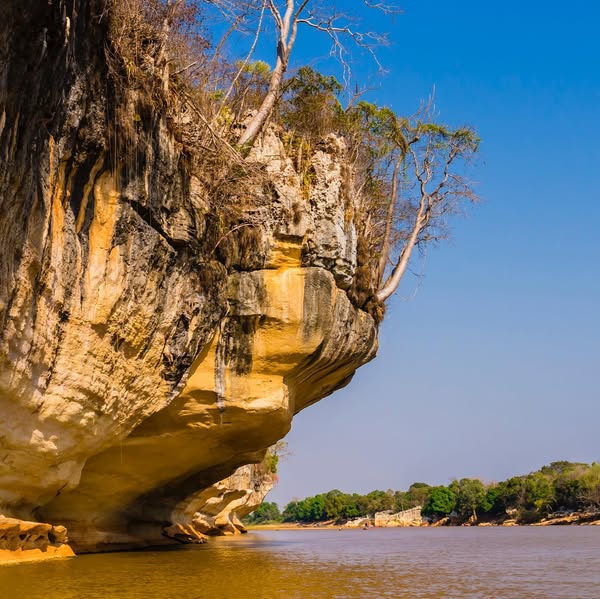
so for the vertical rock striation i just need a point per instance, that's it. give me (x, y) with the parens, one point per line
(141, 365)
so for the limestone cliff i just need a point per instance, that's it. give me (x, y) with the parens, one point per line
(144, 354)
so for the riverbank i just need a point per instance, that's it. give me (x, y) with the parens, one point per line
(35, 555)
(573, 519)
(292, 526)
(22, 541)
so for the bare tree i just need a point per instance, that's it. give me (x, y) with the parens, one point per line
(162, 60)
(436, 189)
(407, 173)
(169, 18)
(287, 18)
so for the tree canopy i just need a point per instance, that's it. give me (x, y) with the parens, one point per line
(560, 486)
(182, 57)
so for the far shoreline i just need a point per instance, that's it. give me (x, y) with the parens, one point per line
(506, 524)
(342, 527)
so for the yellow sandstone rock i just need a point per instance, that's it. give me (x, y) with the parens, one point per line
(151, 350)
(30, 541)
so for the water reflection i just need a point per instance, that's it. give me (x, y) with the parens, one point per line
(517, 562)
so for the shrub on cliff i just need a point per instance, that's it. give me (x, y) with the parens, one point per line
(403, 177)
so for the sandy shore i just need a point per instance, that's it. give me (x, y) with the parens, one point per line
(575, 520)
(292, 526)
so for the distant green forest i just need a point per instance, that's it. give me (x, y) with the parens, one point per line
(560, 486)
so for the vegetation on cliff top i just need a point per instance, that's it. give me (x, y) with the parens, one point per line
(176, 58)
(560, 486)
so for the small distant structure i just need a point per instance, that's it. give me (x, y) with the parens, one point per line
(390, 519)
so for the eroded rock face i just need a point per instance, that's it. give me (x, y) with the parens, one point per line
(389, 519)
(291, 337)
(137, 368)
(26, 541)
(217, 510)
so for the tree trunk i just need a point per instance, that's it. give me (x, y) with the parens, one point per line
(394, 279)
(258, 120)
(288, 27)
(389, 221)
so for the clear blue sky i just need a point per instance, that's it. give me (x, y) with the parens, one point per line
(491, 369)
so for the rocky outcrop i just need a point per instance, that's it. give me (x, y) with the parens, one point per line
(365, 522)
(217, 510)
(391, 519)
(589, 517)
(28, 541)
(146, 355)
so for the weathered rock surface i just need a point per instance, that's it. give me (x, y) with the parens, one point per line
(390, 519)
(25, 541)
(590, 517)
(138, 368)
(359, 523)
(222, 505)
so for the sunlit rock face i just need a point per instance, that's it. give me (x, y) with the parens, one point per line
(27, 541)
(290, 338)
(217, 509)
(138, 368)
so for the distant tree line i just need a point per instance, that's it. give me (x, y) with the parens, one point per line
(560, 486)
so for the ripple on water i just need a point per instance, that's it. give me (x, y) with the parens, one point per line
(420, 563)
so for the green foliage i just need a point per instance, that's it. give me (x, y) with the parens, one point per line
(250, 86)
(379, 501)
(539, 493)
(274, 455)
(336, 505)
(258, 68)
(534, 492)
(441, 502)
(559, 486)
(311, 108)
(491, 502)
(589, 495)
(181, 69)
(308, 82)
(470, 496)
(383, 124)
(265, 512)
(568, 492)
(418, 493)
(273, 461)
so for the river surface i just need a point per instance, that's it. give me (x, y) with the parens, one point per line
(527, 562)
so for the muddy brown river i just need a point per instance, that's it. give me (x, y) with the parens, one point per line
(526, 562)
